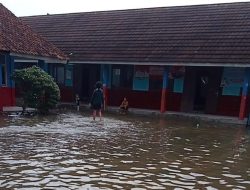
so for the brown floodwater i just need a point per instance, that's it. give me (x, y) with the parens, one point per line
(70, 151)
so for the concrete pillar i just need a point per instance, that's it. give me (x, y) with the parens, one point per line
(244, 94)
(164, 90)
(105, 70)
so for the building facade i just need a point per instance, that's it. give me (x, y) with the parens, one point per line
(188, 58)
(20, 47)
(209, 90)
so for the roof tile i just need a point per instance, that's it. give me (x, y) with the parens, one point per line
(17, 37)
(216, 33)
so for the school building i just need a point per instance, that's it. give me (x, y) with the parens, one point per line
(20, 47)
(185, 58)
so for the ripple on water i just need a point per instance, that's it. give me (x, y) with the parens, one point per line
(171, 170)
(73, 152)
(231, 175)
(211, 188)
(138, 169)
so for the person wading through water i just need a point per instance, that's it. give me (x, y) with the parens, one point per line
(97, 100)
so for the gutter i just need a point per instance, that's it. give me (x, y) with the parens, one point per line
(163, 64)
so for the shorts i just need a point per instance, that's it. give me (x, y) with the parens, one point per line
(96, 107)
(123, 108)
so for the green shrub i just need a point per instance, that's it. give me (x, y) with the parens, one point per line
(38, 89)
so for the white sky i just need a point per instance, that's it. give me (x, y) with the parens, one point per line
(39, 7)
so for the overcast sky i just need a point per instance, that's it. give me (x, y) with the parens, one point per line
(39, 7)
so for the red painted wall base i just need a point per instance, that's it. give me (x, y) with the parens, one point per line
(106, 96)
(174, 101)
(67, 94)
(7, 97)
(229, 105)
(136, 99)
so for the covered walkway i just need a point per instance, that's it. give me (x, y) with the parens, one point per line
(156, 113)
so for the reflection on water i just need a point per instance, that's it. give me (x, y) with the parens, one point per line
(70, 151)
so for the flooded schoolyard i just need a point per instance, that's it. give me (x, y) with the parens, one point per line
(70, 151)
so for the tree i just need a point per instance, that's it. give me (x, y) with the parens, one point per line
(37, 88)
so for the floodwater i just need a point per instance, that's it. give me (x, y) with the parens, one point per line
(70, 151)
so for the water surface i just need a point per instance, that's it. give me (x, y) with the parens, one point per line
(70, 151)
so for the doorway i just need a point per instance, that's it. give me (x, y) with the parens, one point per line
(90, 75)
(85, 78)
(201, 91)
(85, 91)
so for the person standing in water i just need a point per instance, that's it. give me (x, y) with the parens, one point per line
(97, 100)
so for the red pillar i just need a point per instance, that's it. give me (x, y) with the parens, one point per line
(106, 78)
(163, 100)
(106, 95)
(242, 107)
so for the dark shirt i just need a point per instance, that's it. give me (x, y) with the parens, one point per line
(97, 97)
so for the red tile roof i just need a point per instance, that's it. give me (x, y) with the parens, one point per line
(18, 38)
(217, 34)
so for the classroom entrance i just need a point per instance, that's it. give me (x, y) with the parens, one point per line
(201, 89)
(85, 78)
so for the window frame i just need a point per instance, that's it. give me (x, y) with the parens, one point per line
(124, 72)
(4, 70)
(56, 74)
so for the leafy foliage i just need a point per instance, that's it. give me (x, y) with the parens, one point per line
(37, 88)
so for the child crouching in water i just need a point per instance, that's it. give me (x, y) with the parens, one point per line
(124, 106)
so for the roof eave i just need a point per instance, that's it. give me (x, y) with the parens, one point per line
(164, 63)
(38, 57)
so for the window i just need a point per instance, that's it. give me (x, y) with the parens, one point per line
(122, 76)
(178, 85)
(4, 80)
(141, 78)
(69, 75)
(3, 70)
(59, 74)
(232, 81)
